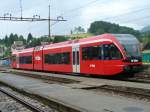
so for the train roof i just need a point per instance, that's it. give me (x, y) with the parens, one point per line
(105, 37)
(76, 41)
(23, 51)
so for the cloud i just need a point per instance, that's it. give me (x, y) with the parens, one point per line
(99, 10)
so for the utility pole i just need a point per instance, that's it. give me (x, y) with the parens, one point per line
(9, 17)
(21, 8)
(49, 22)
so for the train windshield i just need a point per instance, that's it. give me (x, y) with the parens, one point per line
(130, 43)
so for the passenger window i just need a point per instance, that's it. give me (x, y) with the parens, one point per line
(96, 53)
(58, 58)
(86, 53)
(28, 59)
(25, 60)
(92, 53)
(111, 52)
(65, 59)
(13, 58)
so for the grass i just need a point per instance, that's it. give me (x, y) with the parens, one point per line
(83, 35)
(147, 63)
(146, 51)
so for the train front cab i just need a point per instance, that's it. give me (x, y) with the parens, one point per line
(101, 58)
(131, 47)
(110, 55)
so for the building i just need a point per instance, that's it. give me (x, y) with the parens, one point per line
(18, 45)
(2, 50)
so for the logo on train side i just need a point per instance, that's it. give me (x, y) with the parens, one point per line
(37, 58)
(92, 65)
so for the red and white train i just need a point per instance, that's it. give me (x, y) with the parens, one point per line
(107, 54)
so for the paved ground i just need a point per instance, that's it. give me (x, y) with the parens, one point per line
(83, 100)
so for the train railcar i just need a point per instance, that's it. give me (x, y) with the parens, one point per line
(107, 54)
(24, 59)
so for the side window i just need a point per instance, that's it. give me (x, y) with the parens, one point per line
(28, 59)
(46, 61)
(66, 58)
(49, 58)
(13, 58)
(58, 58)
(106, 52)
(86, 53)
(111, 52)
(92, 53)
(21, 60)
(25, 60)
(95, 53)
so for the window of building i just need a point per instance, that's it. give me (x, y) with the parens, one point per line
(58, 58)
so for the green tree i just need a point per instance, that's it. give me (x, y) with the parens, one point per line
(78, 30)
(11, 39)
(15, 37)
(29, 38)
(6, 40)
(21, 38)
(60, 39)
(146, 40)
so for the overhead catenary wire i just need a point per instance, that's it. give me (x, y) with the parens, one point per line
(80, 7)
(134, 11)
(121, 15)
(137, 19)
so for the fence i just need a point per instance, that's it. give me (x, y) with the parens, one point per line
(146, 57)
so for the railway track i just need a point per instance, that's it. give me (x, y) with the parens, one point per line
(122, 90)
(128, 90)
(21, 101)
(138, 77)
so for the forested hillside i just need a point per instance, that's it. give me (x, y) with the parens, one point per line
(146, 29)
(100, 27)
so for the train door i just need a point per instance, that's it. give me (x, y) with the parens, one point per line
(17, 61)
(76, 58)
(38, 58)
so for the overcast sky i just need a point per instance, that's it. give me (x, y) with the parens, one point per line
(132, 13)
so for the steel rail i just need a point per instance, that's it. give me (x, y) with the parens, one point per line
(125, 91)
(23, 102)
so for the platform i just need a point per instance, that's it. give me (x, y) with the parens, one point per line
(82, 100)
(88, 81)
